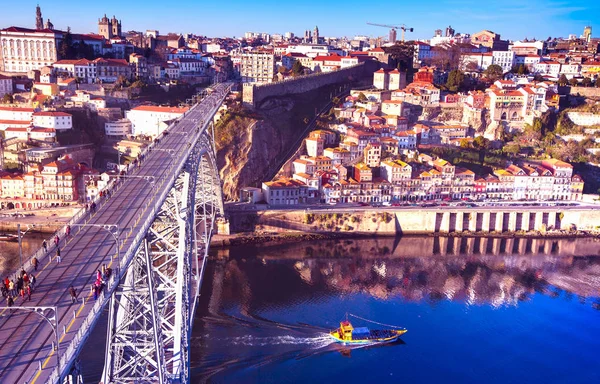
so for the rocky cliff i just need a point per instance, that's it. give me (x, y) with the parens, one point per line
(252, 146)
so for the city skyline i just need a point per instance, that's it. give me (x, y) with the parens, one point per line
(513, 20)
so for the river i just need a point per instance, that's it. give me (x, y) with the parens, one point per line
(476, 310)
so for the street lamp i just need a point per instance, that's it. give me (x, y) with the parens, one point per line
(51, 318)
(20, 236)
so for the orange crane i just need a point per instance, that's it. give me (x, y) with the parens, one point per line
(403, 27)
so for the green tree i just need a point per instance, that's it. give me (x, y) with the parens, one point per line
(8, 99)
(400, 56)
(297, 68)
(66, 51)
(511, 149)
(482, 144)
(121, 82)
(493, 72)
(456, 80)
(573, 82)
(586, 82)
(562, 80)
(465, 143)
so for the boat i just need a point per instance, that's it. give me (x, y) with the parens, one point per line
(8, 237)
(347, 334)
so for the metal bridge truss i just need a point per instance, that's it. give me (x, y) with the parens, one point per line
(151, 312)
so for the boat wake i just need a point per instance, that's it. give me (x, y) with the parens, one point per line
(318, 341)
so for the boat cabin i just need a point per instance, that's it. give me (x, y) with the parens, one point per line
(346, 330)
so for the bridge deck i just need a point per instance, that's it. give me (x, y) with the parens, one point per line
(25, 338)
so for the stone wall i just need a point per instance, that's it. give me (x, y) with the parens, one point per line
(422, 221)
(582, 91)
(254, 94)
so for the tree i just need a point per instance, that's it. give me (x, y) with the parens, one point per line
(482, 144)
(586, 82)
(456, 80)
(8, 99)
(573, 82)
(66, 50)
(522, 70)
(121, 82)
(511, 148)
(401, 57)
(472, 66)
(465, 143)
(297, 68)
(362, 98)
(562, 80)
(493, 72)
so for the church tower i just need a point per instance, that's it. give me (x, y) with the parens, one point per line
(39, 22)
(315, 36)
(105, 27)
(116, 27)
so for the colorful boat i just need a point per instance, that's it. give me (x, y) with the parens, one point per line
(347, 334)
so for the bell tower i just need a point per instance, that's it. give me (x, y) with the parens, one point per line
(39, 21)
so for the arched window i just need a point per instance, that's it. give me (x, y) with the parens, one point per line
(515, 116)
(503, 117)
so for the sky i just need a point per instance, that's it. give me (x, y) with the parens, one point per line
(513, 19)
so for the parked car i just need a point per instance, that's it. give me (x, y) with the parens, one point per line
(386, 204)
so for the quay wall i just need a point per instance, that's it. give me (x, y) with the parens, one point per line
(254, 94)
(412, 221)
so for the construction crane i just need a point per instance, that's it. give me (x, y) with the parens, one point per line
(393, 28)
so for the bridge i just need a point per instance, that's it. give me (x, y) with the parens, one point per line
(153, 233)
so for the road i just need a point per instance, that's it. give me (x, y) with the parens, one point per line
(25, 338)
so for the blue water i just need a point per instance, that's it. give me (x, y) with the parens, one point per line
(471, 317)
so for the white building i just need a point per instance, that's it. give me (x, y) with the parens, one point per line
(505, 59)
(119, 128)
(83, 69)
(24, 49)
(257, 67)
(13, 114)
(60, 121)
(314, 50)
(6, 85)
(548, 67)
(31, 133)
(151, 120)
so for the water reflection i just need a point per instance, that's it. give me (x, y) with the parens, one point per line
(265, 311)
(496, 272)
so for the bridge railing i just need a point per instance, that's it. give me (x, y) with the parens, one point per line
(75, 345)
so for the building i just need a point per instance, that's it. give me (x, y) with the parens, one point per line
(109, 70)
(109, 28)
(151, 120)
(139, 65)
(372, 154)
(6, 85)
(257, 67)
(118, 129)
(285, 192)
(505, 59)
(395, 171)
(31, 133)
(84, 70)
(61, 121)
(490, 40)
(24, 49)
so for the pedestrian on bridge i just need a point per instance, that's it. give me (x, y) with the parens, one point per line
(95, 291)
(6, 282)
(32, 280)
(58, 255)
(34, 262)
(45, 246)
(73, 294)
(28, 293)
(10, 301)
(56, 240)
(11, 288)
(68, 231)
